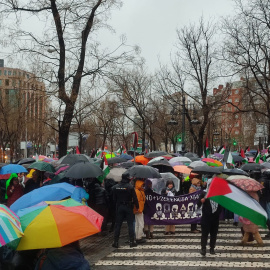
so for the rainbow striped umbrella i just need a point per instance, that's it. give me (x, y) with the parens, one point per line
(212, 162)
(10, 226)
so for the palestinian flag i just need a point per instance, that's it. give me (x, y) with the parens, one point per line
(104, 166)
(221, 150)
(98, 154)
(245, 160)
(266, 157)
(237, 201)
(257, 157)
(247, 149)
(119, 151)
(207, 150)
(228, 158)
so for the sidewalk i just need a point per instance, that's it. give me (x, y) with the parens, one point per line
(96, 247)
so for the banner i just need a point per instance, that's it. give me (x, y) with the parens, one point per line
(165, 210)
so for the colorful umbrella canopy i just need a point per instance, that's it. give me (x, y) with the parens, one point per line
(54, 192)
(245, 183)
(212, 162)
(110, 155)
(126, 156)
(10, 226)
(42, 166)
(55, 224)
(12, 168)
(141, 159)
(182, 169)
(61, 169)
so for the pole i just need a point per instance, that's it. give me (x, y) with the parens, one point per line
(183, 121)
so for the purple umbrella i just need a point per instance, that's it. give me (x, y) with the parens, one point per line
(218, 155)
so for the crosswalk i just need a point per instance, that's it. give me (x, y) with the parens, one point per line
(181, 251)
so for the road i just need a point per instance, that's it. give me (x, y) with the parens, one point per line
(180, 251)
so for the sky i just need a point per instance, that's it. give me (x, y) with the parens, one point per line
(152, 24)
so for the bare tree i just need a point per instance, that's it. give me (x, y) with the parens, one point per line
(247, 50)
(194, 69)
(63, 53)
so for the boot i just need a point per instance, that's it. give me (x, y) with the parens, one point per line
(132, 244)
(147, 234)
(151, 235)
(212, 251)
(115, 244)
(245, 239)
(203, 251)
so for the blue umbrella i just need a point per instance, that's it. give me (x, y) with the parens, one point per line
(53, 192)
(126, 156)
(13, 168)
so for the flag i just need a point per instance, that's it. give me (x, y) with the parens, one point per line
(98, 154)
(221, 150)
(37, 158)
(237, 201)
(242, 153)
(257, 157)
(228, 158)
(247, 149)
(77, 150)
(124, 149)
(119, 151)
(266, 157)
(104, 166)
(207, 150)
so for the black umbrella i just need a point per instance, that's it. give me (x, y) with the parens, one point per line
(207, 170)
(155, 154)
(142, 171)
(116, 160)
(127, 164)
(25, 161)
(237, 158)
(234, 172)
(266, 165)
(84, 170)
(190, 154)
(194, 159)
(251, 167)
(162, 165)
(74, 158)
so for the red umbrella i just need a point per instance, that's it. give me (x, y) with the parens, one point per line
(246, 183)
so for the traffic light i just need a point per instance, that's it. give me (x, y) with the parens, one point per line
(179, 138)
(234, 142)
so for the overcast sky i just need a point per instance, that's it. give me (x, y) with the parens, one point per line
(152, 24)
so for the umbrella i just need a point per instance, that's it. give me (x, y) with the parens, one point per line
(234, 172)
(207, 170)
(155, 154)
(126, 156)
(110, 155)
(141, 159)
(265, 165)
(162, 165)
(116, 160)
(61, 169)
(73, 158)
(10, 226)
(157, 184)
(59, 178)
(182, 169)
(116, 174)
(218, 155)
(170, 176)
(47, 193)
(251, 167)
(157, 159)
(237, 158)
(212, 162)
(84, 170)
(176, 163)
(180, 159)
(42, 166)
(12, 168)
(56, 224)
(245, 183)
(194, 159)
(141, 171)
(190, 154)
(197, 163)
(26, 161)
(127, 164)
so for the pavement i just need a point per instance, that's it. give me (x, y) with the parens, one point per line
(179, 251)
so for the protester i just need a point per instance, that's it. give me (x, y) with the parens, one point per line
(14, 191)
(125, 198)
(33, 183)
(148, 229)
(139, 221)
(195, 186)
(209, 221)
(169, 191)
(80, 195)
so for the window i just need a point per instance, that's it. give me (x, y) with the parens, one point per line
(229, 100)
(5, 72)
(9, 73)
(14, 73)
(0, 72)
(236, 116)
(236, 100)
(236, 132)
(236, 92)
(6, 82)
(13, 82)
(0, 82)
(236, 124)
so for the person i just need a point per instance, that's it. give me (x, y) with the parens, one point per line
(32, 183)
(14, 191)
(79, 194)
(209, 221)
(139, 221)
(169, 191)
(195, 186)
(125, 198)
(148, 229)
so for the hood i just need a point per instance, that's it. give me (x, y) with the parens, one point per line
(139, 184)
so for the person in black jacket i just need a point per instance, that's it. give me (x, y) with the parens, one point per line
(209, 222)
(125, 198)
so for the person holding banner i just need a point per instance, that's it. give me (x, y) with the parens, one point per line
(139, 220)
(169, 191)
